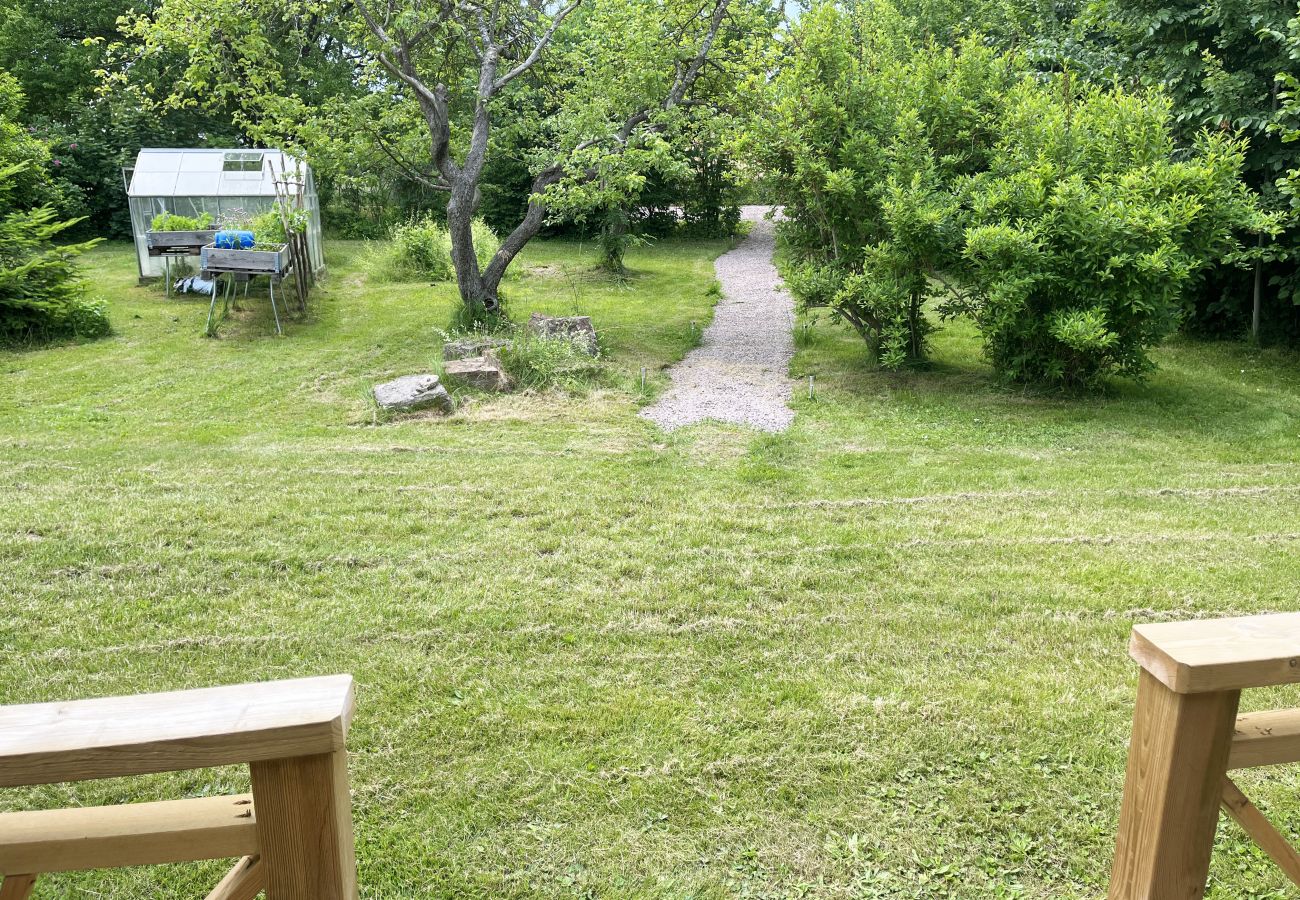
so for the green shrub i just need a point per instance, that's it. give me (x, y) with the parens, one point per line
(486, 243)
(1231, 67)
(864, 138)
(1064, 220)
(171, 222)
(1085, 235)
(41, 293)
(420, 250)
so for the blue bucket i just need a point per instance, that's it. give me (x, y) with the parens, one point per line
(234, 240)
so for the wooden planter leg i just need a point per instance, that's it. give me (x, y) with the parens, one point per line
(1177, 762)
(17, 887)
(304, 826)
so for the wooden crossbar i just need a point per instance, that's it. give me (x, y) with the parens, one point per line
(1261, 830)
(244, 882)
(1266, 739)
(133, 834)
(111, 737)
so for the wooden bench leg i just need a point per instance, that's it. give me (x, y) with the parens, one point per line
(304, 827)
(1177, 762)
(16, 887)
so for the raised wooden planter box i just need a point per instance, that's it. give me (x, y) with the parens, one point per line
(171, 243)
(250, 262)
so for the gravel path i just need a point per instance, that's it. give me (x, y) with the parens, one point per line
(739, 374)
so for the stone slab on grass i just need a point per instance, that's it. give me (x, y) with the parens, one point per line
(413, 392)
(464, 348)
(482, 372)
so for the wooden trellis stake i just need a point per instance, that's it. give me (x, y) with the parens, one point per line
(298, 251)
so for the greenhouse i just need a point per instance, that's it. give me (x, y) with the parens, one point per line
(231, 186)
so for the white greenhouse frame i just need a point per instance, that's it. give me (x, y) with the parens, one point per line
(190, 182)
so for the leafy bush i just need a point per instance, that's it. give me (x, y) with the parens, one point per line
(1085, 235)
(864, 138)
(1065, 220)
(420, 250)
(41, 294)
(1223, 65)
(29, 183)
(172, 222)
(486, 243)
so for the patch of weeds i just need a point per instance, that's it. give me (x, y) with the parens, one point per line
(476, 320)
(805, 332)
(539, 364)
(420, 250)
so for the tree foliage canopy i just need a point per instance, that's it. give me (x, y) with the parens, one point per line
(1062, 216)
(601, 87)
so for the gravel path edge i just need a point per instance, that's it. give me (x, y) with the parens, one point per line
(740, 372)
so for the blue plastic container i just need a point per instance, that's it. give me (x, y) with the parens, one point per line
(234, 240)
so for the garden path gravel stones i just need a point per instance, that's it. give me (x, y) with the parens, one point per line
(740, 372)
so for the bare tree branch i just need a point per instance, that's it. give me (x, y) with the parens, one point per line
(538, 48)
(407, 169)
(433, 102)
(684, 81)
(687, 81)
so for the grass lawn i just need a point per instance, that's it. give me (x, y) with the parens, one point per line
(880, 655)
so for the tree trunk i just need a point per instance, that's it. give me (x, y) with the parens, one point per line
(484, 287)
(475, 291)
(613, 241)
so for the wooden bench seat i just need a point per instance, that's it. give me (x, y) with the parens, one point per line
(111, 737)
(133, 834)
(291, 735)
(1207, 655)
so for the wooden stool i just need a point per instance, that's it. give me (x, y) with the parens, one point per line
(1187, 735)
(294, 832)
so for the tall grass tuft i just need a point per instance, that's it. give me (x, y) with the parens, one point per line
(541, 364)
(420, 250)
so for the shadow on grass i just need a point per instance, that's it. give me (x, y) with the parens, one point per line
(1222, 391)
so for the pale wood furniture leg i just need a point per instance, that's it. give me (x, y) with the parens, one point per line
(1261, 830)
(17, 887)
(244, 882)
(304, 824)
(1177, 763)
